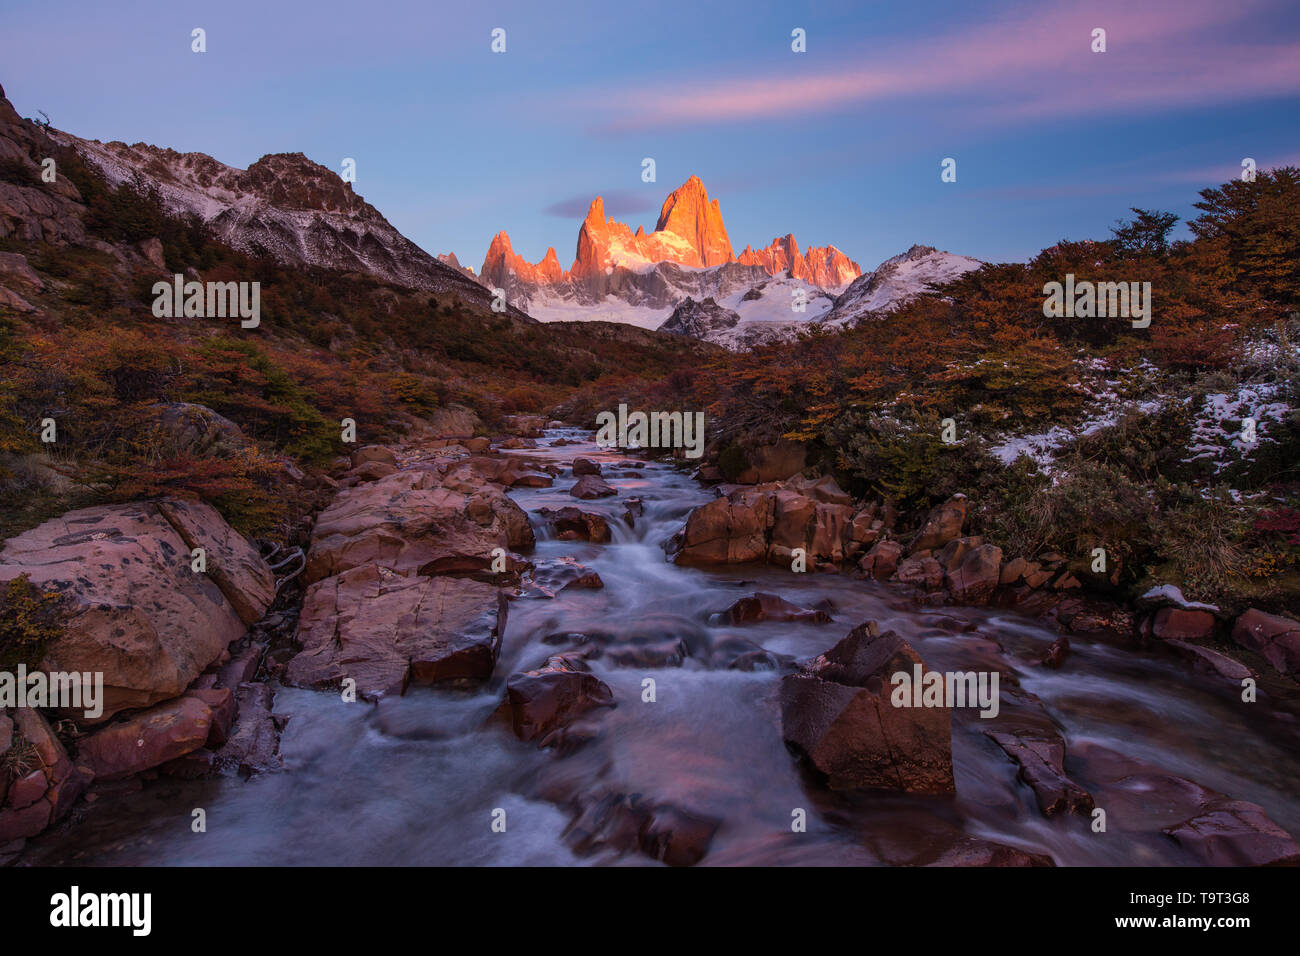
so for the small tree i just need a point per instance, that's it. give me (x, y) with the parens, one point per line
(1145, 235)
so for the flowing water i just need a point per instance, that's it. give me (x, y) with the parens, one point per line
(416, 780)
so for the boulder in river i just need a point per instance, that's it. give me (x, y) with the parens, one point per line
(770, 607)
(385, 629)
(838, 713)
(586, 525)
(591, 486)
(546, 700)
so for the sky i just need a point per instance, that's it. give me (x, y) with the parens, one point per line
(841, 144)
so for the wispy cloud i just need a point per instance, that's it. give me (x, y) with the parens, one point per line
(1033, 62)
(618, 203)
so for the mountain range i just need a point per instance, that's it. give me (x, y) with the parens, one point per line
(682, 277)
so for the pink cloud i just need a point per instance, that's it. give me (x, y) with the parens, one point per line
(1033, 63)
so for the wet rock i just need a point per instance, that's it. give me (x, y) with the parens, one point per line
(1041, 758)
(254, 742)
(410, 522)
(943, 524)
(730, 530)
(672, 653)
(760, 659)
(633, 509)
(1210, 661)
(1274, 637)
(676, 837)
(626, 822)
(532, 480)
(1057, 653)
(976, 574)
(1013, 571)
(585, 525)
(546, 700)
(552, 577)
(925, 573)
(1214, 829)
(838, 713)
(133, 608)
(972, 851)
(881, 562)
(585, 466)
(1173, 623)
(383, 630)
(1090, 615)
(147, 739)
(769, 607)
(1235, 833)
(591, 486)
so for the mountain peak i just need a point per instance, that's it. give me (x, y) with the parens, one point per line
(688, 213)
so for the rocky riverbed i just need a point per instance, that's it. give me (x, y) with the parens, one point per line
(558, 654)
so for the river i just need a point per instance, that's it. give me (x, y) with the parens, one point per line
(416, 780)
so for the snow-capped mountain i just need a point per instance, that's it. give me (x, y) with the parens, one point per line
(641, 277)
(765, 312)
(298, 211)
(896, 280)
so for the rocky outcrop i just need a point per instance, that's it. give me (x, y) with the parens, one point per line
(943, 524)
(384, 630)
(412, 521)
(700, 320)
(49, 783)
(837, 712)
(133, 608)
(768, 522)
(826, 267)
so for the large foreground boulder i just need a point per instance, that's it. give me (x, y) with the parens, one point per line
(838, 713)
(409, 521)
(134, 609)
(385, 629)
